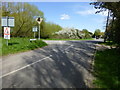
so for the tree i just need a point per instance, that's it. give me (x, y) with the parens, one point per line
(48, 29)
(97, 33)
(113, 27)
(25, 18)
(87, 33)
(24, 14)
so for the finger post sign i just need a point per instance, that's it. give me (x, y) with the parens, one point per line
(6, 32)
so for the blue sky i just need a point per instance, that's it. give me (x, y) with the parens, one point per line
(79, 15)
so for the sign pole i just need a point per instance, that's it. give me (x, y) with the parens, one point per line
(7, 22)
(7, 26)
(34, 34)
(39, 20)
(39, 32)
(7, 42)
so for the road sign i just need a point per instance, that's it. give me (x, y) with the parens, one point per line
(34, 29)
(11, 21)
(7, 21)
(39, 20)
(6, 32)
(4, 21)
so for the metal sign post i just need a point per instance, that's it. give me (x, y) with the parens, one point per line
(39, 32)
(7, 22)
(34, 34)
(39, 20)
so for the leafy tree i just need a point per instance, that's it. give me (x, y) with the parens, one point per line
(112, 32)
(97, 33)
(48, 29)
(25, 15)
(87, 33)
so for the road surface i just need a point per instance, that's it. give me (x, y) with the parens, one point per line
(62, 64)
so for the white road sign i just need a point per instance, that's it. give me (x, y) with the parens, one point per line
(7, 21)
(6, 32)
(34, 29)
(4, 21)
(11, 22)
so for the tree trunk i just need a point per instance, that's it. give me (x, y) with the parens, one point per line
(106, 32)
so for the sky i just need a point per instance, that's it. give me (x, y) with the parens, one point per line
(80, 15)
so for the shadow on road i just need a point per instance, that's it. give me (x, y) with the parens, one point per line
(64, 68)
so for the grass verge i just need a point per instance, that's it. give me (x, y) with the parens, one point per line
(0, 46)
(106, 69)
(108, 43)
(20, 45)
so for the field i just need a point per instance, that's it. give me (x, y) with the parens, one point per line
(16, 45)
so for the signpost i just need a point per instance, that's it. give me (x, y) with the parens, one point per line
(34, 29)
(39, 20)
(7, 22)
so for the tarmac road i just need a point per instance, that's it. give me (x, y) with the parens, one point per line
(62, 64)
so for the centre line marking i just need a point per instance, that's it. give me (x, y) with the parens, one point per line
(24, 67)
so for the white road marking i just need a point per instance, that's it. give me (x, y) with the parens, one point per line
(55, 50)
(24, 67)
(29, 65)
(69, 47)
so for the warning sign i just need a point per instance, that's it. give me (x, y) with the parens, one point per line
(6, 32)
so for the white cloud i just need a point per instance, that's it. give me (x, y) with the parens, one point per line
(86, 12)
(65, 17)
(92, 12)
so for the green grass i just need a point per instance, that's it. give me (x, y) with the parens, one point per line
(0, 46)
(67, 39)
(108, 43)
(107, 69)
(19, 45)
